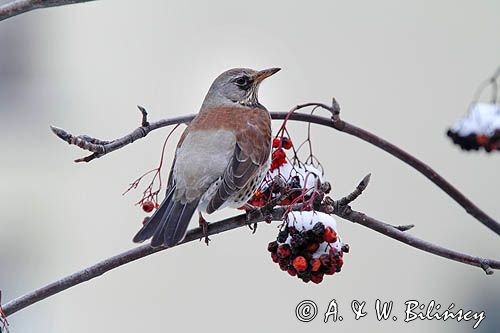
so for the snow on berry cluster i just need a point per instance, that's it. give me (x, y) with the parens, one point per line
(309, 246)
(299, 177)
(479, 129)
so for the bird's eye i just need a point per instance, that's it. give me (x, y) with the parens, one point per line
(241, 81)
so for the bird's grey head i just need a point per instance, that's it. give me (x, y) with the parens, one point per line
(237, 86)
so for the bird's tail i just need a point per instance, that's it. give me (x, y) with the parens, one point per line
(169, 223)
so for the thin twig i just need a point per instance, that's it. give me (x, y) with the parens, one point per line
(335, 122)
(392, 149)
(486, 264)
(17, 7)
(231, 223)
(121, 259)
(100, 147)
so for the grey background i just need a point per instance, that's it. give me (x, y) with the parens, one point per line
(404, 70)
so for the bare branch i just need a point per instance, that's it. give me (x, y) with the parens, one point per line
(335, 122)
(121, 259)
(356, 193)
(101, 147)
(17, 7)
(232, 223)
(394, 232)
(397, 152)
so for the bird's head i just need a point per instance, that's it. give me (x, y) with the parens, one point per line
(237, 86)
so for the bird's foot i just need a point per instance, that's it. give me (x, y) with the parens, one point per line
(252, 213)
(204, 226)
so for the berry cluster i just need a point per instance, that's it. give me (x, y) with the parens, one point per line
(308, 246)
(266, 193)
(475, 142)
(480, 128)
(297, 178)
(278, 157)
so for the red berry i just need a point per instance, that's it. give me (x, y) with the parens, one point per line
(287, 143)
(284, 251)
(292, 271)
(311, 248)
(274, 257)
(315, 264)
(331, 270)
(272, 247)
(285, 202)
(276, 142)
(278, 159)
(326, 260)
(482, 140)
(330, 236)
(340, 262)
(317, 277)
(148, 206)
(300, 263)
(146, 219)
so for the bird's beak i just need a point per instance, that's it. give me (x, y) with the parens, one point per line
(261, 75)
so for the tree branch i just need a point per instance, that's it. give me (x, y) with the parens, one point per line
(100, 148)
(17, 7)
(339, 207)
(406, 157)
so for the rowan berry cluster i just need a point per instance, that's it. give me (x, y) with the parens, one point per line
(480, 128)
(308, 246)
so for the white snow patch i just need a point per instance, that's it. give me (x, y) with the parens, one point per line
(305, 172)
(305, 220)
(483, 118)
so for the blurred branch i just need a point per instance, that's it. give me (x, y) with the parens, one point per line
(4, 324)
(100, 148)
(339, 207)
(17, 7)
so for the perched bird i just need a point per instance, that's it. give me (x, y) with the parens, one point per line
(221, 158)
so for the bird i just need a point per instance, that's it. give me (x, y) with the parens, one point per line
(221, 158)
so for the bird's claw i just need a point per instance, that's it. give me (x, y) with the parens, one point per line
(252, 214)
(204, 227)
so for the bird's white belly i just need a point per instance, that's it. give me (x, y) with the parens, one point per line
(200, 161)
(240, 198)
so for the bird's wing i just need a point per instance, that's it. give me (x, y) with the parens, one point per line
(251, 153)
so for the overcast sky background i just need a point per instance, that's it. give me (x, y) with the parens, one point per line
(404, 70)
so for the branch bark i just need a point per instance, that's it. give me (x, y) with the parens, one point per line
(17, 7)
(339, 208)
(100, 148)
